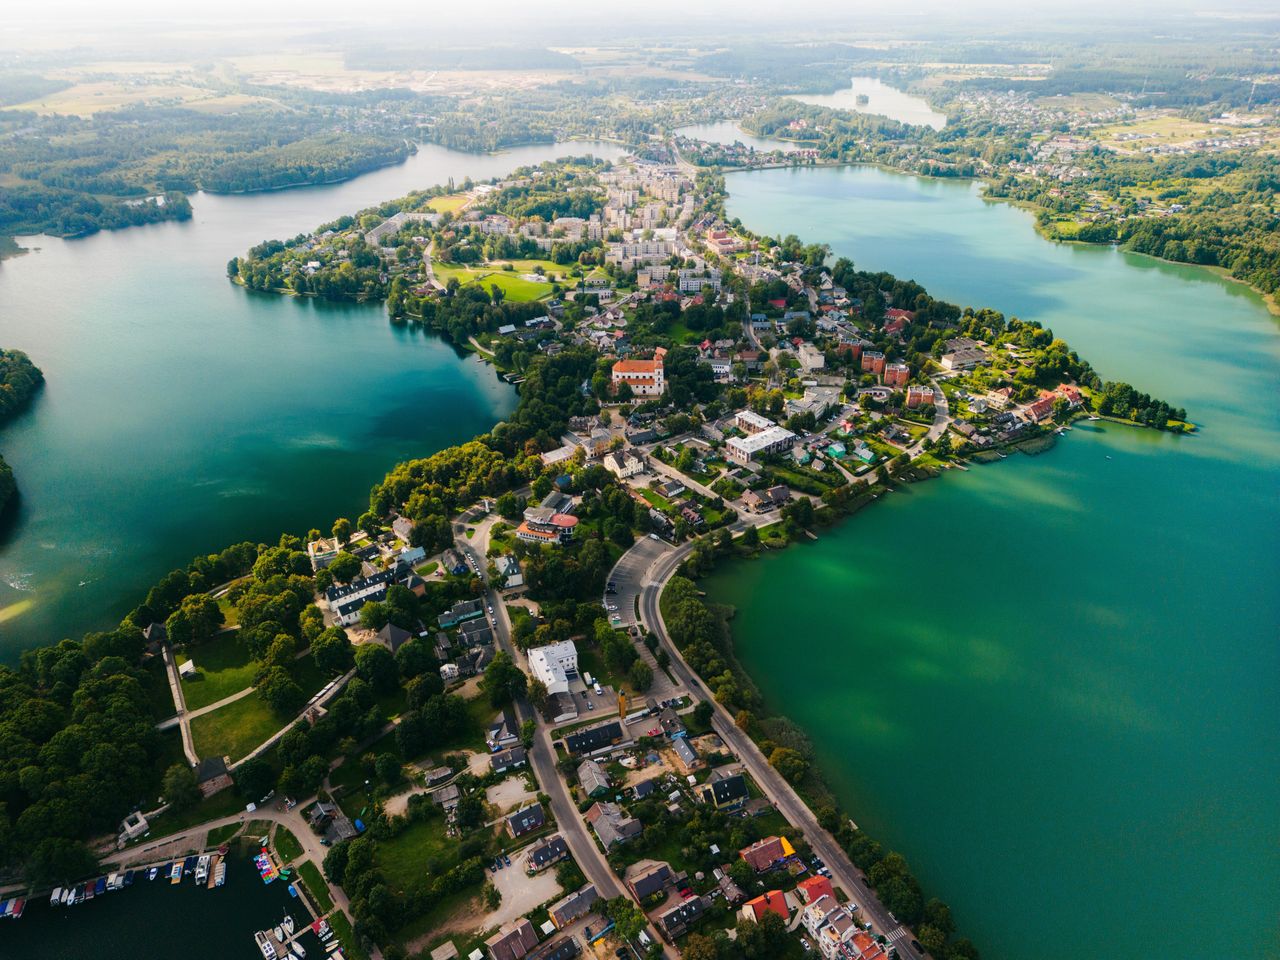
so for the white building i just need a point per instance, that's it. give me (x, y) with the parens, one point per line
(555, 665)
(745, 449)
(624, 463)
(692, 281)
(645, 377)
(748, 421)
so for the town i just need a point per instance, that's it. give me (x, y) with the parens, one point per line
(505, 724)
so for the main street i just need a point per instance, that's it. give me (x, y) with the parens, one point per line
(542, 757)
(779, 792)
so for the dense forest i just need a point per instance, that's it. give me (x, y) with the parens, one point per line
(19, 380)
(72, 176)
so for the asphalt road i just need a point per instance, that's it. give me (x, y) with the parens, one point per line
(779, 792)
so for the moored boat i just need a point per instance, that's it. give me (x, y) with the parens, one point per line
(175, 872)
(55, 898)
(265, 945)
(287, 923)
(100, 887)
(220, 875)
(202, 869)
(151, 874)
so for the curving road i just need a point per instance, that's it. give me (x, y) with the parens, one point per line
(779, 792)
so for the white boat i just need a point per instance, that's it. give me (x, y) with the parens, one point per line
(202, 869)
(287, 923)
(265, 945)
(298, 949)
(115, 881)
(151, 874)
(55, 898)
(220, 874)
(279, 933)
(68, 895)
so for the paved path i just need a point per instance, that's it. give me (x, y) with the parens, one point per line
(179, 704)
(775, 788)
(327, 693)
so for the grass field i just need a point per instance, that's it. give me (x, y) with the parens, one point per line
(219, 835)
(235, 729)
(421, 851)
(223, 667)
(287, 845)
(350, 945)
(86, 99)
(315, 885)
(450, 203)
(513, 285)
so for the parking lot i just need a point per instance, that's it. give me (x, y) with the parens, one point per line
(627, 577)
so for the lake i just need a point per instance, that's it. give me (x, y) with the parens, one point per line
(1052, 682)
(183, 413)
(882, 99)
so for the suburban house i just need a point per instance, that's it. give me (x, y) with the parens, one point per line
(503, 732)
(545, 854)
(509, 569)
(762, 501)
(764, 854)
(624, 463)
(814, 889)
(475, 633)
(725, 790)
(555, 665)
(644, 377)
(612, 824)
(649, 877)
(594, 739)
(513, 941)
(461, 611)
(526, 820)
(775, 901)
(575, 905)
(687, 759)
(677, 921)
(564, 949)
(453, 562)
(593, 779)
(508, 759)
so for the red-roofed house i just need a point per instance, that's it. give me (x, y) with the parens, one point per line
(778, 302)
(1071, 395)
(772, 902)
(1041, 409)
(893, 313)
(813, 888)
(763, 854)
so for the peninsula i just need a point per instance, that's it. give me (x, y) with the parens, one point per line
(19, 380)
(508, 635)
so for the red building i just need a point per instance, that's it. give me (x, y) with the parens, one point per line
(897, 374)
(873, 362)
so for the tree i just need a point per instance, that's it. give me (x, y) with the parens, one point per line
(537, 693)
(374, 615)
(469, 812)
(254, 778)
(388, 769)
(279, 691)
(503, 680)
(376, 665)
(699, 947)
(640, 675)
(703, 712)
(332, 651)
(790, 763)
(197, 619)
(179, 787)
(751, 537)
(345, 567)
(342, 530)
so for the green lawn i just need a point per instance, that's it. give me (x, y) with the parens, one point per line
(219, 805)
(155, 681)
(220, 835)
(230, 613)
(235, 729)
(655, 499)
(314, 882)
(418, 853)
(287, 845)
(449, 203)
(435, 917)
(342, 927)
(223, 667)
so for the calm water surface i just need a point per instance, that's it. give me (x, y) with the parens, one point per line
(154, 919)
(183, 413)
(882, 99)
(1053, 682)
